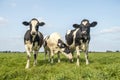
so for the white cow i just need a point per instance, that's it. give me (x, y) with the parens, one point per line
(53, 44)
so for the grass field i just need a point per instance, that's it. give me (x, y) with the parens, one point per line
(103, 66)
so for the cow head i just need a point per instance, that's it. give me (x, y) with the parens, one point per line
(85, 26)
(34, 25)
(64, 49)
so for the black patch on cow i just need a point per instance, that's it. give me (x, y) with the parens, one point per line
(69, 37)
(35, 55)
(62, 45)
(41, 24)
(45, 43)
(38, 38)
(25, 23)
(93, 24)
(67, 50)
(81, 37)
(78, 37)
(76, 25)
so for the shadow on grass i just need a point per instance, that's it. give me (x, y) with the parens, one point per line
(62, 60)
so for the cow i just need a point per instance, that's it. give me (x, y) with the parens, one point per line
(78, 39)
(33, 39)
(54, 44)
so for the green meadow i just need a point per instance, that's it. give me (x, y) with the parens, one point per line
(103, 66)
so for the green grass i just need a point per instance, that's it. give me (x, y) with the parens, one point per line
(103, 66)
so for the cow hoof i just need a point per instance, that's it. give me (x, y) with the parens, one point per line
(58, 61)
(87, 63)
(26, 67)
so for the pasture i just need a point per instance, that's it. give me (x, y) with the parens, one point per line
(103, 66)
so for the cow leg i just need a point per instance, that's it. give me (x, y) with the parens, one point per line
(48, 56)
(45, 53)
(28, 57)
(35, 57)
(86, 54)
(52, 56)
(78, 55)
(58, 57)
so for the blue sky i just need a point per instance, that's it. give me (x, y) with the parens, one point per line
(59, 16)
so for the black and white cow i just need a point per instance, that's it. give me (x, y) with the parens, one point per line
(54, 44)
(33, 39)
(79, 38)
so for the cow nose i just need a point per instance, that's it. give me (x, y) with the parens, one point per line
(33, 33)
(84, 32)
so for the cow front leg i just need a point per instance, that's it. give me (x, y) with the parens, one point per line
(58, 57)
(48, 56)
(28, 58)
(45, 54)
(52, 56)
(86, 57)
(86, 54)
(35, 57)
(78, 55)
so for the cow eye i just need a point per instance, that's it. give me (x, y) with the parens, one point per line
(62, 45)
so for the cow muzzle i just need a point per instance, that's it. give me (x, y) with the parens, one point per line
(70, 57)
(33, 33)
(84, 32)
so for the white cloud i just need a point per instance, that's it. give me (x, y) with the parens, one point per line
(3, 21)
(110, 30)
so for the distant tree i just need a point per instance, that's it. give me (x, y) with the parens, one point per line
(109, 51)
(117, 51)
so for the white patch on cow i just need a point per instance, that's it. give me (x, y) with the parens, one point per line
(78, 55)
(36, 46)
(52, 45)
(68, 32)
(28, 50)
(28, 46)
(59, 44)
(72, 46)
(74, 33)
(84, 22)
(28, 64)
(34, 23)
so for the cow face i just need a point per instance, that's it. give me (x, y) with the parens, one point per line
(85, 26)
(64, 48)
(34, 25)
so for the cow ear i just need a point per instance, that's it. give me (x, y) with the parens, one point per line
(76, 25)
(41, 24)
(93, 24)
(25, 23)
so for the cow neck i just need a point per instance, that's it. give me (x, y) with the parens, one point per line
(33, 38)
